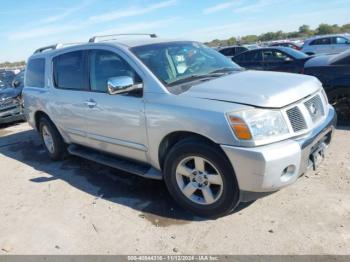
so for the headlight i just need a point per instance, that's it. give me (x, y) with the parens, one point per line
(325, 96)
(258, 124)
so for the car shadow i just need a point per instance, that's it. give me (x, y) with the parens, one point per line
(343, 127)
(150, 197)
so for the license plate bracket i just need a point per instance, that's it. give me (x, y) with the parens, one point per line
(317, 155)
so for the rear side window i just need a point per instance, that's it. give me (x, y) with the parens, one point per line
(228, 51)
(69, 71)
(35, 74)
(321, 41)
(252, 56)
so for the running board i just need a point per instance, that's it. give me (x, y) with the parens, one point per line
(117, 162)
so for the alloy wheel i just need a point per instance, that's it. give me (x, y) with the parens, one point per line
(199, 180)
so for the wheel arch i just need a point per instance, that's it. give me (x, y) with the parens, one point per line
(38, 115)
(176, 136)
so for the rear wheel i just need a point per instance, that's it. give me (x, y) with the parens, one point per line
(340, 99)
(52, 140)
(200, 178)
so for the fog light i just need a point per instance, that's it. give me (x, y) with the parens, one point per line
(288, 172)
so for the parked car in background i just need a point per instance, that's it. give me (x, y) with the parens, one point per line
(283, 59)
(286, 44)
(231, 51)
(18, 80)
(334, 73)
(217, 134)
(6, 76)
(330, 44)
(11, 106)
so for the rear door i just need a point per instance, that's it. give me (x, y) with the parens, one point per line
(325, 45)
(70, 96)
(276, 60)
(250, 60)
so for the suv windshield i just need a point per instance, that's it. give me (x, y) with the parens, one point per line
(180, 62)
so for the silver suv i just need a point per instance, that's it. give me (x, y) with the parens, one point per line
(179, 111)
(327, 44)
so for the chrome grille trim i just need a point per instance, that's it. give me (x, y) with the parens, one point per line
(315, 108)
(296, 119)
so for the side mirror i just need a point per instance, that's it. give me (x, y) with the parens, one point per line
(122, 84)
(16, 83)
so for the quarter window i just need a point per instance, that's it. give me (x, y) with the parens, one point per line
(69, 71)
(104, 65)
(35, 73)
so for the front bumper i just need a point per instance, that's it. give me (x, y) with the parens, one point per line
(11, 114)
(260, 170)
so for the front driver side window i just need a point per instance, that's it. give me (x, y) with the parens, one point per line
(106, 64)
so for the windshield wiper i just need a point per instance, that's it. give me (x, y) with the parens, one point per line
(189, 79)
(225, 70)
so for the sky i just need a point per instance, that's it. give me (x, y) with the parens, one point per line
(27, 25)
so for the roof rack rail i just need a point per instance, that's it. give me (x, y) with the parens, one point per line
(53, 47)
(95, 38)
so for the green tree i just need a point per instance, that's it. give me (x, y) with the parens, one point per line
(231, 41)
(324, 29)
(305, 30)
(249, 39)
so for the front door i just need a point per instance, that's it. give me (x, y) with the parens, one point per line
(114, 123)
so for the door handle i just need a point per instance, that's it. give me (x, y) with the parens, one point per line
(90, 103)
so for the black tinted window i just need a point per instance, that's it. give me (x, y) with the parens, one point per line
(250, 56)
(275, 56)
(69, 71)
(321, 41)
(105, 65)
(228, 51)
(35, 73)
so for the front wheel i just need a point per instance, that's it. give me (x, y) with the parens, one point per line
(200, 178)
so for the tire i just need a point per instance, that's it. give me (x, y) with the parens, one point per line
(340, 99)
(47, 129)
(185, 153)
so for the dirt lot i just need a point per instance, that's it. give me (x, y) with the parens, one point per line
(79, 207)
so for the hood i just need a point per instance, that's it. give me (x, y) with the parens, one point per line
(323, 60)
(8, 92)
(257, 88)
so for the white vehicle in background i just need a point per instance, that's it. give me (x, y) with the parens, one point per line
(330, 44)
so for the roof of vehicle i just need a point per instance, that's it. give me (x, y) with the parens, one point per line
(127, 42)
(323, 36)
(230, 46)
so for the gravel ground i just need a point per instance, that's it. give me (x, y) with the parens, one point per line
(79, 207)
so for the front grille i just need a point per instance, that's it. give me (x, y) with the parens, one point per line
(8, 102)
(296, 119)
(315, 108)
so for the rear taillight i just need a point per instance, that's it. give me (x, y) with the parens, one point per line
(302, 71)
